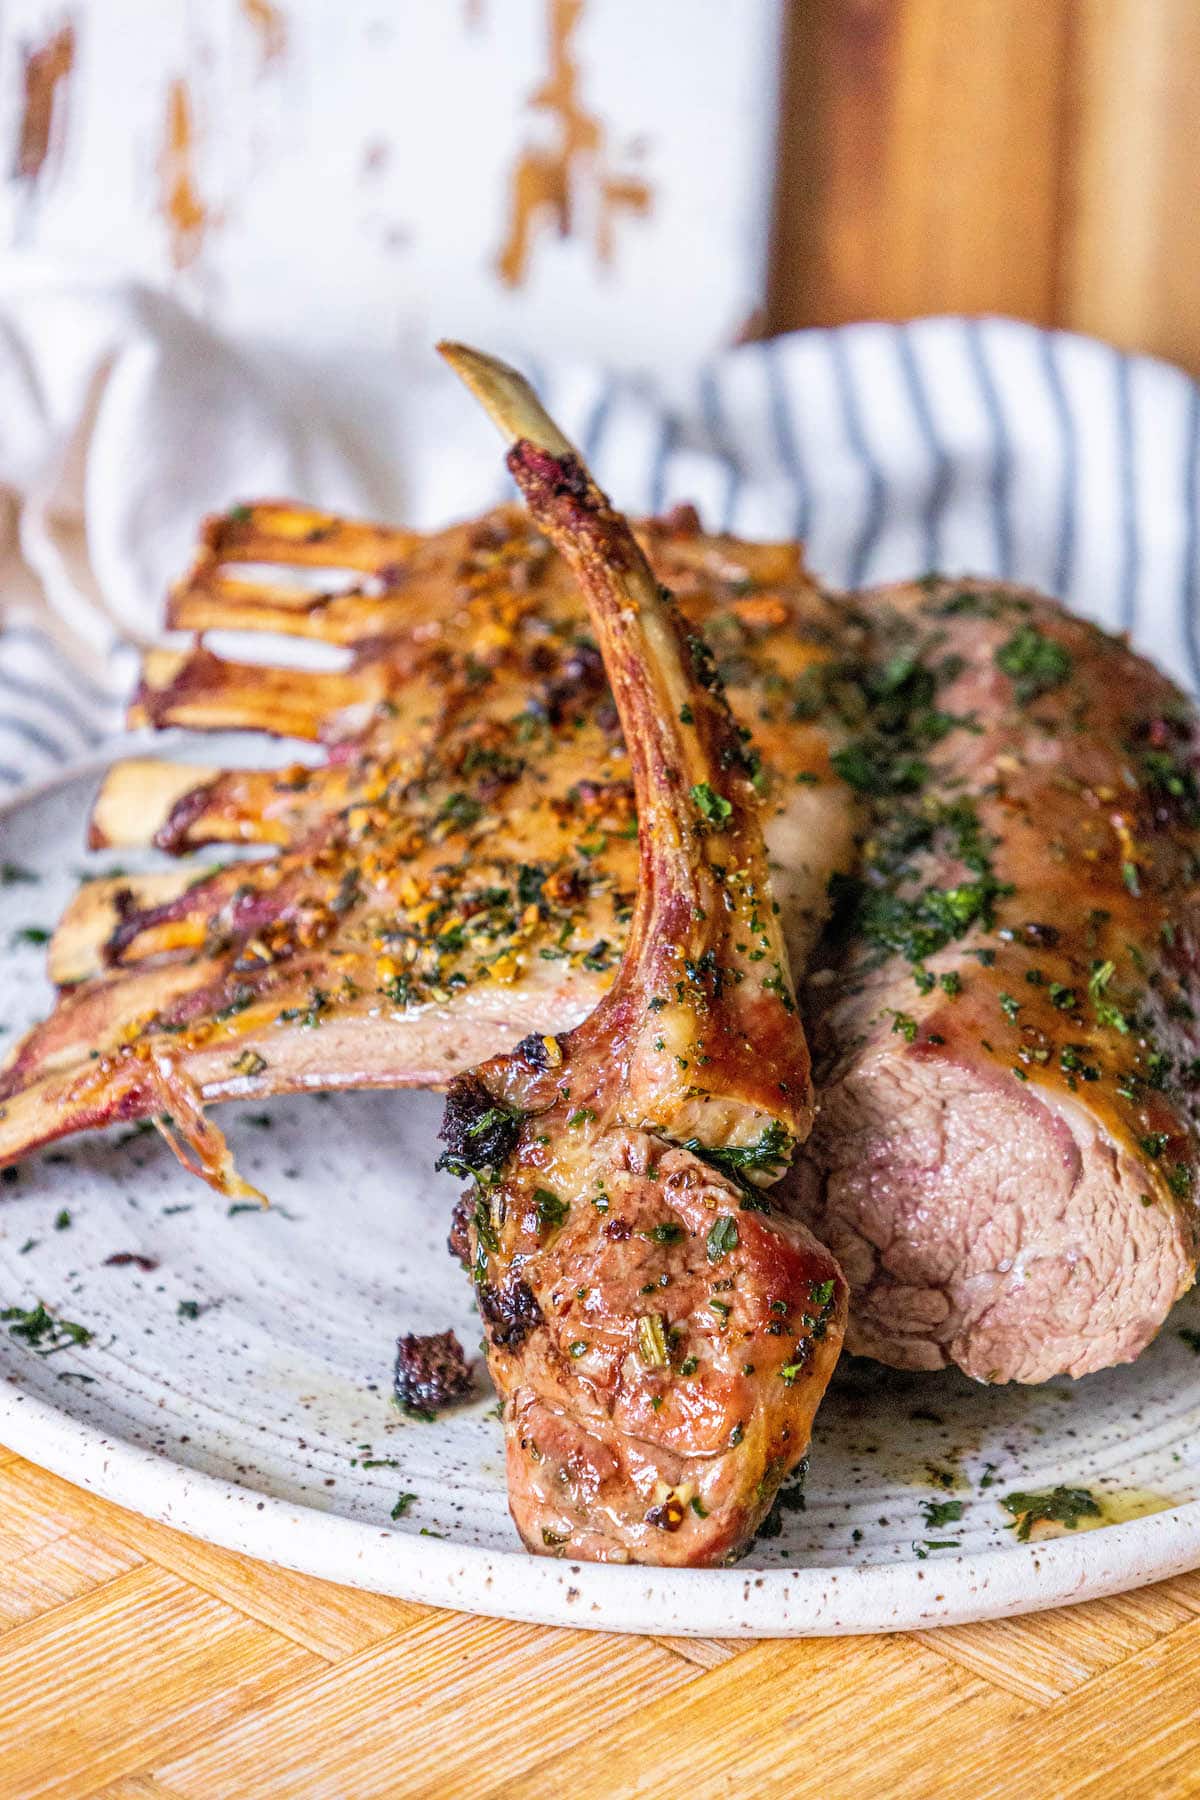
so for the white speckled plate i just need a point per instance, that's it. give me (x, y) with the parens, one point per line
(264, 1422)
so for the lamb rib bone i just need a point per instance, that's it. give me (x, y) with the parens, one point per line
(605, 1160)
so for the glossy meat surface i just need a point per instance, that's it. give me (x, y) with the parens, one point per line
(659, 1333)
(989, 1218)
(460, 868)
(1005, 1017)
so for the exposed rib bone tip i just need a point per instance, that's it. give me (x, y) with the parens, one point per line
(507, 398)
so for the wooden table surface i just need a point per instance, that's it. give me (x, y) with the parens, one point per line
(138, 1664)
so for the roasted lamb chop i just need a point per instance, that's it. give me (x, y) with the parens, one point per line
(457, 872)
(660, 1335)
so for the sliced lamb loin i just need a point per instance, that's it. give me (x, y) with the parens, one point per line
(1003, 1025)
(659, 1333)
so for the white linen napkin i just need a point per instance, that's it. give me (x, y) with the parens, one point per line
(987, 447)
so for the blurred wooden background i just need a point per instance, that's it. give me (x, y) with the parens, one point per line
(1033, 157)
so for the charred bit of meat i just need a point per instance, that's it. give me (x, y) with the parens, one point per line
(431, 1372)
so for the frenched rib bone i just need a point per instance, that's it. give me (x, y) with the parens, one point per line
(676, 1331)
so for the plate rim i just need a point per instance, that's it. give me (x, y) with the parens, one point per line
(812, 1601)
(816, 1601)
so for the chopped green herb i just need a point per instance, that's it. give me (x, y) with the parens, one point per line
(310, 1015)
(551, 1211)
(941, 1512)
(652, 1340)
(1035, 663)
(38, 1326)
(704, 666)
(530, 878)
(1106, 1013)
(241, 997)
(1070, 1061)
(906, 1025)
(1061, 1506)
(918, 927)
(722, 1237)
(710, 805)
(460, 810)
(771, 1152)
(872, 766)
(403, 1502)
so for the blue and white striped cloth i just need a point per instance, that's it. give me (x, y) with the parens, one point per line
(971, 446)
(987, 447)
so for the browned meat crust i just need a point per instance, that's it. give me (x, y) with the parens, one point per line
(431, 1372)
(457, 873)
(1006, 1022)
(660, 1335)
(987, 1220)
